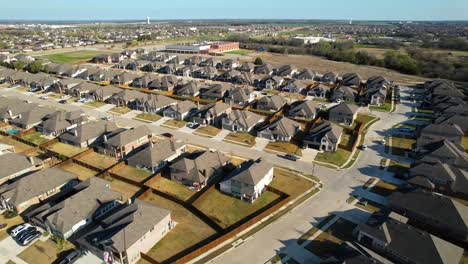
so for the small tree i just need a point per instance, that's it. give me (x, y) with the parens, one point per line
(19, 65)
(35, 67)
(258, 61)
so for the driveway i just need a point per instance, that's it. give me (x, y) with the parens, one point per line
(89, 258)
(260, 143)
(308, 154)
(9, 249)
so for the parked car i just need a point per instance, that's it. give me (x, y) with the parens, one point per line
(72, 257)
(107, 118)
(44, 97)
(62, 101)
(19, 228)
(26, 232)
(289, 157)
(168, 135)
(30, 238)
(193, 125)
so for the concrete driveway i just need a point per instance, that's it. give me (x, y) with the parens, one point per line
(308, 154)
(9, 249)
(89, 258)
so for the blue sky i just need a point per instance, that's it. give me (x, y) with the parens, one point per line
(235, 9)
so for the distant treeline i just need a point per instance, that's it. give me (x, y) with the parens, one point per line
(414, 61)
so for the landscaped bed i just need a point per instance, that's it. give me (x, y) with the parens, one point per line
(284, 147)
(98, 160)
(241, 137)
(188, 231)
(289, 182)
(133, 173)
(119, 110)
(173, 188)
(331, 242)
(226, 210)
(35, 138)
(148, 117)
(17, 220)
(210, 131)
(66, 150)
(44, 252)
(175, 123)
(82, 172)
(383, 188)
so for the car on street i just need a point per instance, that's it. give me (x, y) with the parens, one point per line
(62, 101)
(44, 97)
(25, 241)
(289, 157)
(364, 147)
(168, 135)
(19, 228)
(107, 118)
(72, 257)
(192, 125)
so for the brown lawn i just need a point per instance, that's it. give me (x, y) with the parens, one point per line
(173, 188)
(290, 183)
(66, 150)
(82, 172)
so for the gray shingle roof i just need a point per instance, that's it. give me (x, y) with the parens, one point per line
(154, 153)
(12, 163)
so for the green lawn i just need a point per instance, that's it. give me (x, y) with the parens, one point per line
(290, 183)
(338, 158)
(148, 117)
(36, 138)
(175, 123)
(173, 188)
(72, 56)
(387, 107)
(241, 137)
(227, 210)
(119, 110)
(239, 52)
(188, 231)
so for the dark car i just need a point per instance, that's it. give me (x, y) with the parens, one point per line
(62, 101)
(169, 135)
(193, 125)
(289, 157)
(72, 257)
(25, 233)
(28, 239)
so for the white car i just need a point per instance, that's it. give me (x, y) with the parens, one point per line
(19, 228)
(44, 97)
(107, 118)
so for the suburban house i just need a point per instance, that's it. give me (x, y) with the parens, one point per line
(344, 93)
(226, 64)
(305, 74)
(64, 85)
(282, 129)
(131, 229)
(239, 96)
(351, 79)
(32, 117)
(304, 110)
(437, 132)
(14, 165)
(390, 236)
(205, 72)
(440, 177)
(228, 76)
(121, 144)
(445, 151)
(285, 70)
(189, 89)
(83, 89)
(35, 188)
(198, 169)
(329, 77)
(103, 93)
(269, 82)
(343, 114)
(215, 91)
(242, 121)
(77, 208)
(59, 122)
(246, 67)
(248, 180)
(266, 69)
(165, 83)
(154, 103)
(297, 86)
(271, 103)
(439, 213)
(211, 114)
(180, 111)
(124, 78)
(144, 81)
(320, 91)
(157, 155)
(378, 82)
(453, 119)
(324, 136)
(126, 98)
(88, 134)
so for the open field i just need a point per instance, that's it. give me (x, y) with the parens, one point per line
(241, 137)
(284, 147)
(323, 65)
(127, 190)
(82, 172)
(98, 160)
(43, 252)
(227, 210)
(239, 52)
(290, 183)
(133, 173)
(72, 56)
(208, 131)
(173, 188)
(331, 242)
(188, 231)
(66, 150)
(35, 138)
(380, 52)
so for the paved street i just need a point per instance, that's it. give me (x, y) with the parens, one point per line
(338, 185)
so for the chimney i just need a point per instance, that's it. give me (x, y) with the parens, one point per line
(105, 138)
(31, 160)
(151, 144)
(129, 201)
(10, 113)
(19, 116)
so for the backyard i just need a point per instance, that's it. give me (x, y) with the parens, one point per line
(99, 161)
(72, 56)
(19, 147)
(65, 149)
(227, 210)
(284, 147)
(82, 172)
(147, 117)
(127, 190)
(173, 188)
(133, 173)
(209, 131)
(175, 123)
(188, 231)
(241, 137)
(35, 138)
